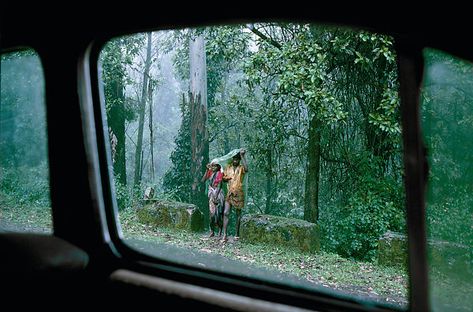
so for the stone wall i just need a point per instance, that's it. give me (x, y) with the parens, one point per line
(171, 214)
(444, 256)
(300, 234)
(392, 249)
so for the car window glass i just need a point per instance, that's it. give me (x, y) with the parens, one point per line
(447, 119)
(294, 128)
(24, 177)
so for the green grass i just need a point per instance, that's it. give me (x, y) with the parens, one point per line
(29, 216)
(326, 269)
(450, 293)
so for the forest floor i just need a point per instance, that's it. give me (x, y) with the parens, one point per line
(362, 280)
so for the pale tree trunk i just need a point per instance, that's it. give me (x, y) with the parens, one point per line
(142, 108)
(224, 135)
(311, 198)
(151, 139)
(198, 110)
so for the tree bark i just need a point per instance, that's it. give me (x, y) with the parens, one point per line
(117, 124)
(263, 36)
(199, 133)
(151, 138)
(224, 134)
(311, 207)
(142, 108)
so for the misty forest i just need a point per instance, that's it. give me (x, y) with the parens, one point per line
(316, 109)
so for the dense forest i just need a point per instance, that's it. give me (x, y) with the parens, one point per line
(316, 108)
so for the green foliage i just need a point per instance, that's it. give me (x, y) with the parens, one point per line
(450, 219)
(27, 185)
(306, 75)
(375, 207)
(115, 56)
(22, 110)
(178, 42)
(178, 179)
(446, 112)
(24, 179)
(122, 194)
(348, 81)
(225, 47)
(25, 197)
(386, 116)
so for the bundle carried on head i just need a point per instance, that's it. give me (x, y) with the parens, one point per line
(226, 159)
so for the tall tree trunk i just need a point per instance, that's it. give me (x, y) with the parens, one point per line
(312, 177)
(117, 124)
(224, 136)
(151, 139)
(199, 133)
(141, 164)
(142, 108)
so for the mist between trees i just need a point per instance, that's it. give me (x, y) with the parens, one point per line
(24, 178)
(316, 108)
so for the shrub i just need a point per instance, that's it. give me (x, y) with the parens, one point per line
(27, 185)
(355, 228)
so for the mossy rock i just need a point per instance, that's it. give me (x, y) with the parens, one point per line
(282, 231)
(171, 214)
(392, 249)
(447, 257)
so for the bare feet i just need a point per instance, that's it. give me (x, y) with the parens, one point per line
(225, 238)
